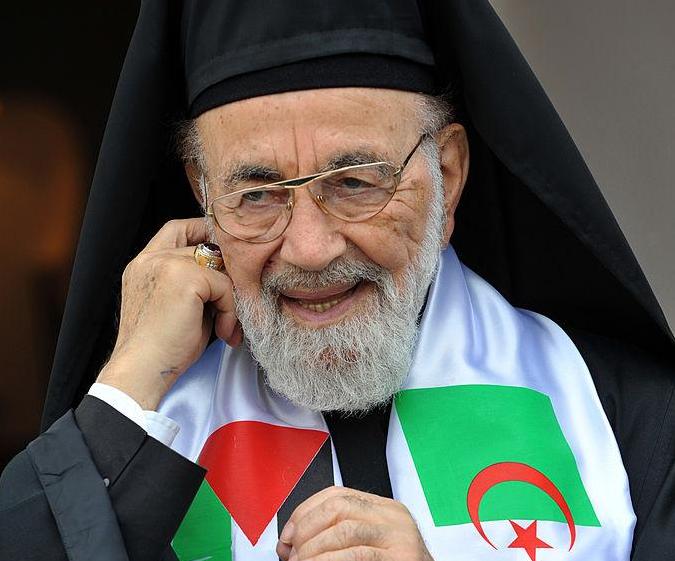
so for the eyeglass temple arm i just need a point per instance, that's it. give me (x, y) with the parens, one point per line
(412, 152)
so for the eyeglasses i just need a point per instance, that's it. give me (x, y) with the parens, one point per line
(356, 193)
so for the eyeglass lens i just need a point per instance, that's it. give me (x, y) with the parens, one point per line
(353, 195)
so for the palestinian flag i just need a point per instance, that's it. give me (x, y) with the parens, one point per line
(258, 473)
(493, 464)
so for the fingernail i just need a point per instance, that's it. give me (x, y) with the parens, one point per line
(283, 550)
(293, 556)
(287, 534)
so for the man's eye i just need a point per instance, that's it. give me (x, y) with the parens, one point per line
(263, 198)
(354, 183)
(254, 196)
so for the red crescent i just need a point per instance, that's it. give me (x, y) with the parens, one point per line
(514, 471)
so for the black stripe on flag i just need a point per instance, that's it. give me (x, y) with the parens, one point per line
(318, 476)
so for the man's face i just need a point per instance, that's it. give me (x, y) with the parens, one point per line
(325, 279)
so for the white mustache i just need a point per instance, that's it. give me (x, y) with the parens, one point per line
(343, 270)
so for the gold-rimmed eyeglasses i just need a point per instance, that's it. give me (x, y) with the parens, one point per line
(260, 214)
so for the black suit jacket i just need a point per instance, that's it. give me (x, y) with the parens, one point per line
(94, 486)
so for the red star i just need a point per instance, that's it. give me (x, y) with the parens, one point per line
(527, 539)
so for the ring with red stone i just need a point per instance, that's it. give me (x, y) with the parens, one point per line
(209, 255)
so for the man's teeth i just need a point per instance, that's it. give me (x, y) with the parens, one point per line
(321, 306)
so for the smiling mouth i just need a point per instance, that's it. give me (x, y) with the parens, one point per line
(318, 303)
(325, 305)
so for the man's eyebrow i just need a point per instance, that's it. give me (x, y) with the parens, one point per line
(239, 172)
(353, 158)
(243, 171)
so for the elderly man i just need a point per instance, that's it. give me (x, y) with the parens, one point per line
(310, 371)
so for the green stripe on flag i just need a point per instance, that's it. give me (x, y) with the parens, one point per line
(206, 530)
(455, 432)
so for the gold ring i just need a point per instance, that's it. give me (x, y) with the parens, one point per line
(208, 255)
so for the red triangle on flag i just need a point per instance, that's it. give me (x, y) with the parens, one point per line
(254, 466)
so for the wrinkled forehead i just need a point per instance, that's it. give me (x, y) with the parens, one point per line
(299, 132)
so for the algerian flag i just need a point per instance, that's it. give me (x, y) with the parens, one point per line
(495, 453)
(499, 422)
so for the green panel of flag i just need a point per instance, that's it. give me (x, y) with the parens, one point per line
(455, 432)
(206, 530)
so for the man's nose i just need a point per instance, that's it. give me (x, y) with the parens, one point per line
(313, 238)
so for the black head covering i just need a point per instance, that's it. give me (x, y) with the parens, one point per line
(531, 222)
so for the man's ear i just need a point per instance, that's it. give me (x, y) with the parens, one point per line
(194, 176)
(454, 155)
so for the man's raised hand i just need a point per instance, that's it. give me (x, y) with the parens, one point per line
(169, 307)
(341, 524)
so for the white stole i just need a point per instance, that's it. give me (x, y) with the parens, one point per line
(471, 342)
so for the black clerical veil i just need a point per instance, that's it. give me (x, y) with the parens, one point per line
(531, 222)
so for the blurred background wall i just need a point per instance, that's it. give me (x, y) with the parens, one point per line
(608, 66)
(59, 64)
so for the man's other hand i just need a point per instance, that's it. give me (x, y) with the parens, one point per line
(340, 524)
(169, 307)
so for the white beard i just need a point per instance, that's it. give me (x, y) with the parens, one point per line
(361, 362)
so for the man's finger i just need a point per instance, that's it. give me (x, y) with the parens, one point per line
(343, 535)
(304, 507)
(219, 295)
(212, 287)
(317, 499)
(225, 326)
(351, 514)
(220, 291)
(357, 553)
(179, 233)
